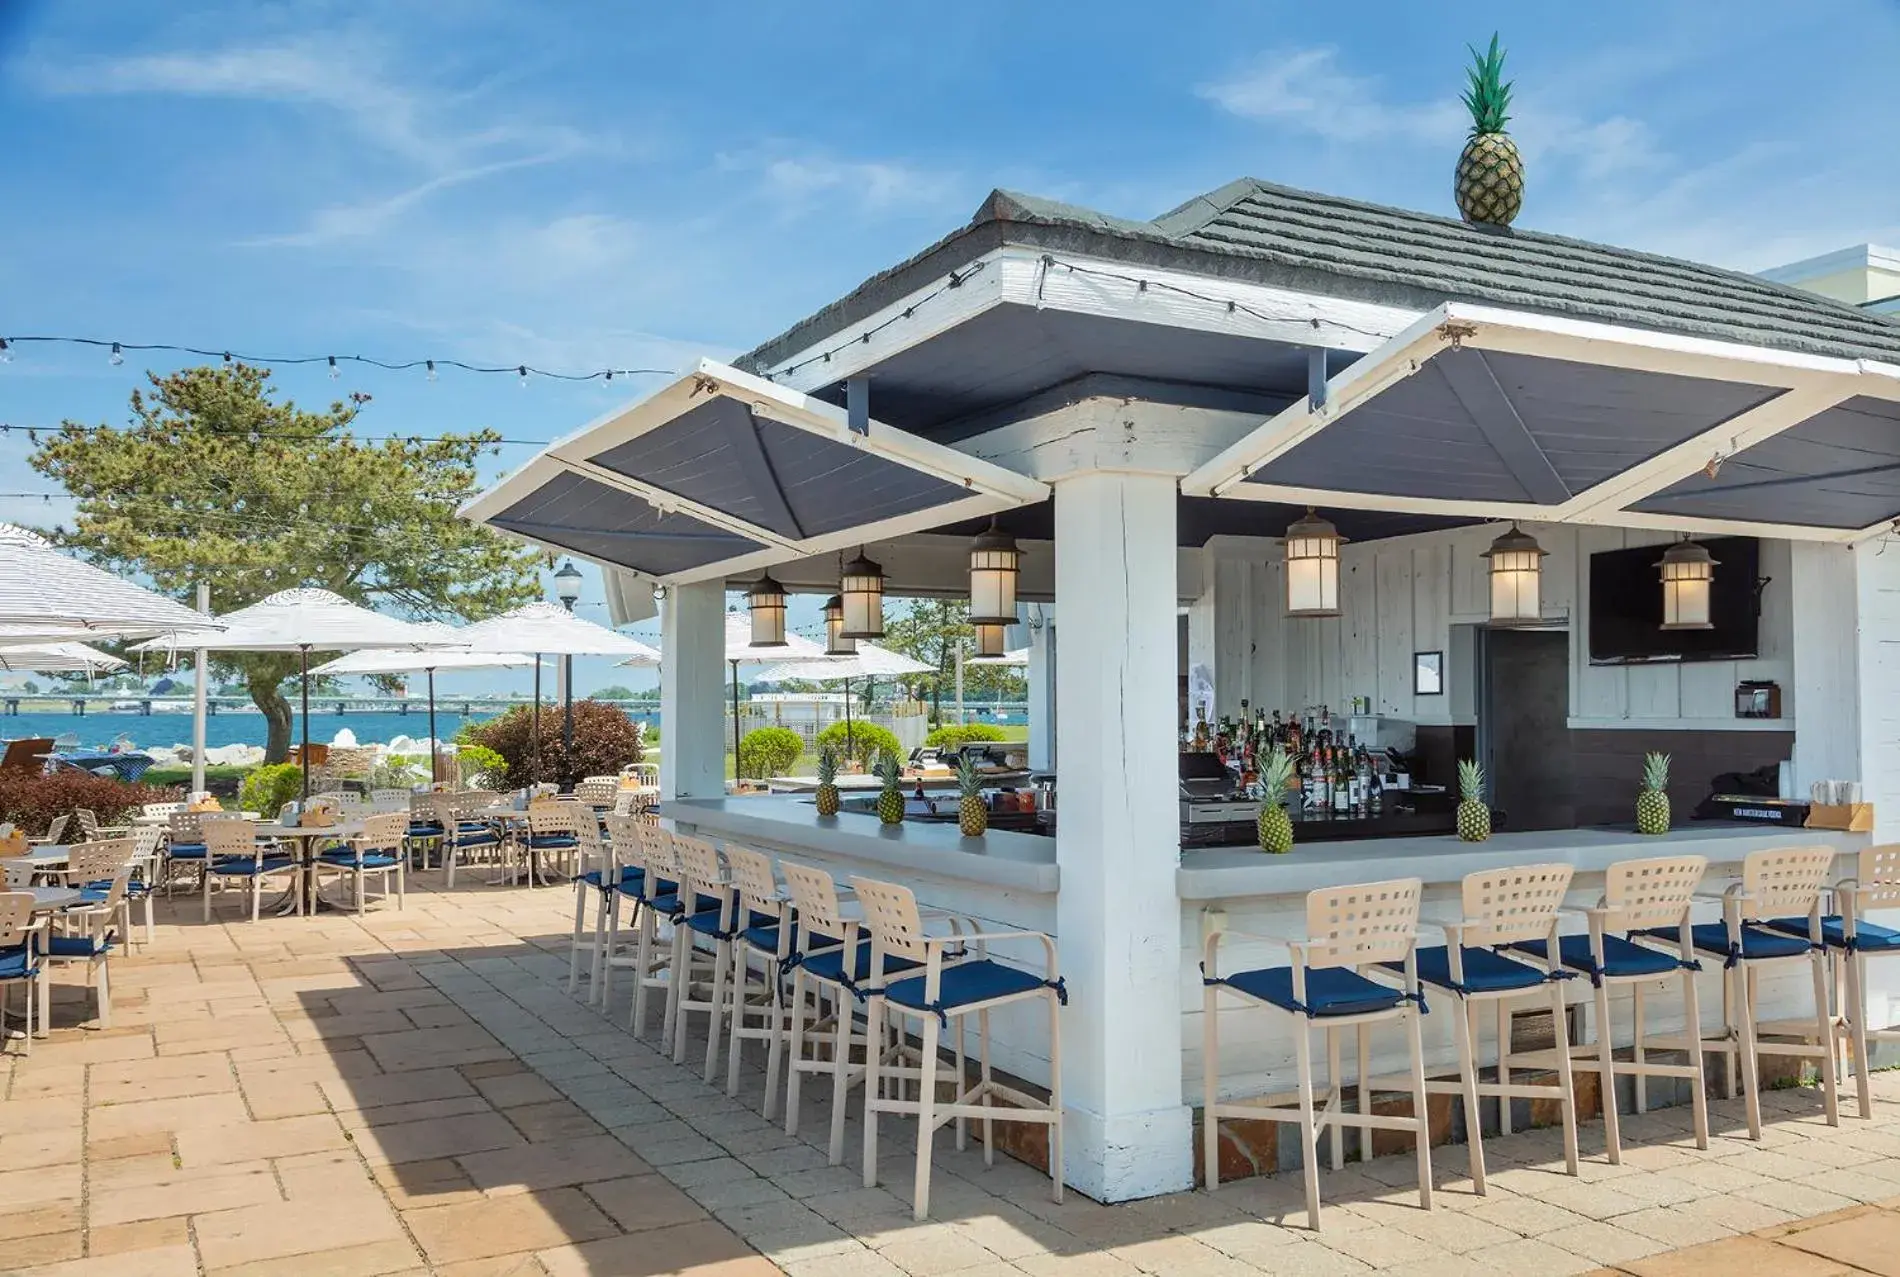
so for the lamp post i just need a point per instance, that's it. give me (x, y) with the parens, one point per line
(567, 588)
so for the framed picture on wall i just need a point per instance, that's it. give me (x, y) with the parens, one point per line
(1428, 673)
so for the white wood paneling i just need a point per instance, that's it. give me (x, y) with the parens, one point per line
(1877, 569)
(1402, 595)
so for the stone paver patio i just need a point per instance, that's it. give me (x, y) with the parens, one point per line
(416, 1093)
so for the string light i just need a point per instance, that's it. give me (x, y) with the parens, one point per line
(333, 372)
(332, 362)
(523, 370)
(118, 355)
(431, 364)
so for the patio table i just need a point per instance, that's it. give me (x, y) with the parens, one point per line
(46, 900)
(306, 837)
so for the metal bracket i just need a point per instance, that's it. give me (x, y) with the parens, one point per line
(857, 405)
(1316, 377)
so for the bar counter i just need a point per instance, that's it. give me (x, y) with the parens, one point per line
(1221, 873)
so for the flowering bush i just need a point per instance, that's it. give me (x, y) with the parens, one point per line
(868, 741)
(769, 751)
(605, 740)
(31, 799)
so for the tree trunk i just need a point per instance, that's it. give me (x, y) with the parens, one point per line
(265, 694)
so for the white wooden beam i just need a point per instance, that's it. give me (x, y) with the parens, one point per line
(1725, 441)
(1290, 494)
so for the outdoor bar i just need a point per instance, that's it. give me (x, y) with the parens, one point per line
(1291, 469)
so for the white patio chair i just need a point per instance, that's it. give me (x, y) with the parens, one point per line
(377, 851)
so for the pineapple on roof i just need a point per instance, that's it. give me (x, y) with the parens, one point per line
(1490, 182)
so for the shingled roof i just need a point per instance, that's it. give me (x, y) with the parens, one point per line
(1324, 244)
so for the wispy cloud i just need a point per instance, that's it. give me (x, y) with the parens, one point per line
(801, 179)
(1307, 89)
(436, 138)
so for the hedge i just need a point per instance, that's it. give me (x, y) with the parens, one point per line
(31, 799)
(769, 751)
(868, 740)
(954, 736)
(605, 740)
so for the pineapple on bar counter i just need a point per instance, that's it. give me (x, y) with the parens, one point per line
(1652, 802)
(890, 799)
(1490, 182)
(1275, 827)
(973, 818)
(1474, 818)
(827, 782)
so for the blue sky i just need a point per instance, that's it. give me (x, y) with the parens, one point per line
(580, 186)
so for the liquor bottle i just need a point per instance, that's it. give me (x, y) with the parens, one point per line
(1342, 784)
(1201, 741)
(1321, 789)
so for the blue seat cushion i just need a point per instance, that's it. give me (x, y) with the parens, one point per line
(1620, 957)
(187, 851)
(248, 866)
(76, 947)
(370, 859)
(1329, 990)
(1757, 943)
(15, 963)
(762, 936)
(1870, 936)
(133, 888)
(830, 965)
(1486, 971)
(706, 921)
(553, 840)
(424, 829)
(475, 837)
(965, 983)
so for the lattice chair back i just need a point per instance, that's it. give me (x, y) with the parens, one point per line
(16, 918)
(88, 822)
(117, 882)
(424, 808)
(230, 838)
(890, 915)
(598, 791)
(145, 840)
(1368, 922)
(699, 866)
(160, 809)
(1877, 876)
(1785, 880)
(815, 896)
(348, 804)
(1515, 904)
(556, 818)
(1657, 892)
(98, 861)
(752, 878)
(56, 827)
(663, 857)
(384, 831)
(623, 834)
(381, 800)
(187, 826)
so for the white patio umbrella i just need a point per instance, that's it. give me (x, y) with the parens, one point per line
(548, 629)
(869, 662)
(301, 621)
(739, 651)
(406, 660)
(46, 595)
(56, 658)
(1018, 657)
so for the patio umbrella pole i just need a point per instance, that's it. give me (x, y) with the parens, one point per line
(303, 683)
(434, 747)
(735, 723)
(534, 726)
(847, 718)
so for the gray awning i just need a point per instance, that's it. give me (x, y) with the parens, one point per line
(1499, 414)
(722, 472)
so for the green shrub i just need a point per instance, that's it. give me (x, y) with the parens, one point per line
(484, 768)
(30, 799)
(269, 787)
(868, 740)
(399, 771)
(769, 751)
(953, 736)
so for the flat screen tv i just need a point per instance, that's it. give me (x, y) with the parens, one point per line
(1626, 607)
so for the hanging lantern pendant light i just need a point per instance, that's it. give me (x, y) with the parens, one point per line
(1312, 567)
(836, 644)
(766, 601)
(1687, 571)
(995, 564)
(861, 591)
(989, 639)
(1517, 572)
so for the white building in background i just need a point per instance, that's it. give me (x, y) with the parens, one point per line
(1865, 275)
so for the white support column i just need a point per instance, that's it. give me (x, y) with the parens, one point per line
(1118, 842)
(692, 687)
(1877, 586)
(1041, 679)
(1826, 696)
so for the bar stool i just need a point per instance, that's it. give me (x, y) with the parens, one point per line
(1649, 900)
(827, 940)
(596, 875)
(1353, 933)
(1852, 939)
(765, 934)
(939, 994)
(622, 876)
(706, 910)
(1501, 907)
(1778, 881)
(659, 898)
